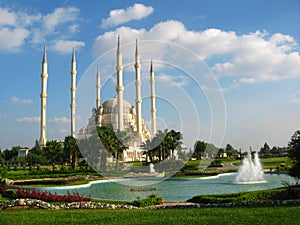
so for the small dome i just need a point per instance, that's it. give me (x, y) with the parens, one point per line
(112, 103)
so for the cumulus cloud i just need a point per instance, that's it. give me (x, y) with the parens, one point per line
(62, 119)
(172, 80)
(64, 46)
(120, 16)
(11, 39)
(260, 58)
(60, 16)
(7, 17)
(16, 100)
(251, 58)
(33, 119)
(18, 27)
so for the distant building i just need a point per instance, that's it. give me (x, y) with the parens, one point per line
(23, 151)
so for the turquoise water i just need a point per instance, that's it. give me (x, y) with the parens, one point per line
(172, 189)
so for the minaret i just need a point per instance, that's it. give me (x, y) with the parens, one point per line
(138, 100)
(43, 96)
(120, 88)
(73, 95)
(152, 96)
(98, 88)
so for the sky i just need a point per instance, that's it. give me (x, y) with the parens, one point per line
(225, 71)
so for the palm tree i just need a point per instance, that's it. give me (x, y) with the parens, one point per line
(107, 139)
(52, 151)
(90, 148)
(161, 144)
(72, 150)
(173, 139)
(150, 151)
(123, 139)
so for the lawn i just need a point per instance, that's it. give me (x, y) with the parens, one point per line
(244, 215)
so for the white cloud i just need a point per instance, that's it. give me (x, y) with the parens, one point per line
(17, 27)
(172, 80)
(29, 119)
(120, 16)
(257, 58)
(251, 58)
(65, 46)
(60, 16)
(7, 17)
(16, 100)
(62, 119)
(11, 39)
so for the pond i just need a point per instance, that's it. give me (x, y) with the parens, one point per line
(171, 189)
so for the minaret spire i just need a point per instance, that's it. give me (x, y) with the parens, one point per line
(43, 96)
(138, 100)
(120, 87)
(73, 94)
(152, 96)
(98, 88)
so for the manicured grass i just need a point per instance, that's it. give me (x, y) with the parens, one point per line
(245, 215)
(73, 183)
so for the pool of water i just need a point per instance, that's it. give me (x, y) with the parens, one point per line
(172, 189)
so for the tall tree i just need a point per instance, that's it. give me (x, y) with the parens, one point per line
(113, 144)
(71, 150)
(265, 150)
(199, 149)
(53, 152)
(173, 139)
(229, 150)
(294, 154)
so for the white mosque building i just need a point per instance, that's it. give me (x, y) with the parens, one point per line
(115, 112)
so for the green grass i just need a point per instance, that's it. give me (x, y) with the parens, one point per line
(252, 196)
(73, 183)
(245, 215)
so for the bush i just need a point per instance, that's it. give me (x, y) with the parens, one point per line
(152, 199)
(10, 193)
(253, 196)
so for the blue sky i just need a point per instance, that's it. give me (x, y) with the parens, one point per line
(226, 71)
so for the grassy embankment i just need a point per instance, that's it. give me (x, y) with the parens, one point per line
(244, 215)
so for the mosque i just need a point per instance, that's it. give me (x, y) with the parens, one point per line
(115, 112)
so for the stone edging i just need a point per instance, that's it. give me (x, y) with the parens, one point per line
(34, 203)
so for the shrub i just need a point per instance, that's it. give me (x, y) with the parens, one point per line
(152, 199)
(253, 196)
(10, 193)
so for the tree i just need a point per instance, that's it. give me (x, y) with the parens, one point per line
(199, 149)
(294, 155)
(114, 143)
(265, 150)
(229, 151)
(147, 146)
(173, 139)
(161, 143)
(71, 150)
(53, 151)
(122, 143)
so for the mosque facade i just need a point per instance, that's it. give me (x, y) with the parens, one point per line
(116, 112)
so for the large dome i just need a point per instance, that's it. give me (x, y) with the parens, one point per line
(112, 103)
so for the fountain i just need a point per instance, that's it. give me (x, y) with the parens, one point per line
(151, 168)
(250, 171)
